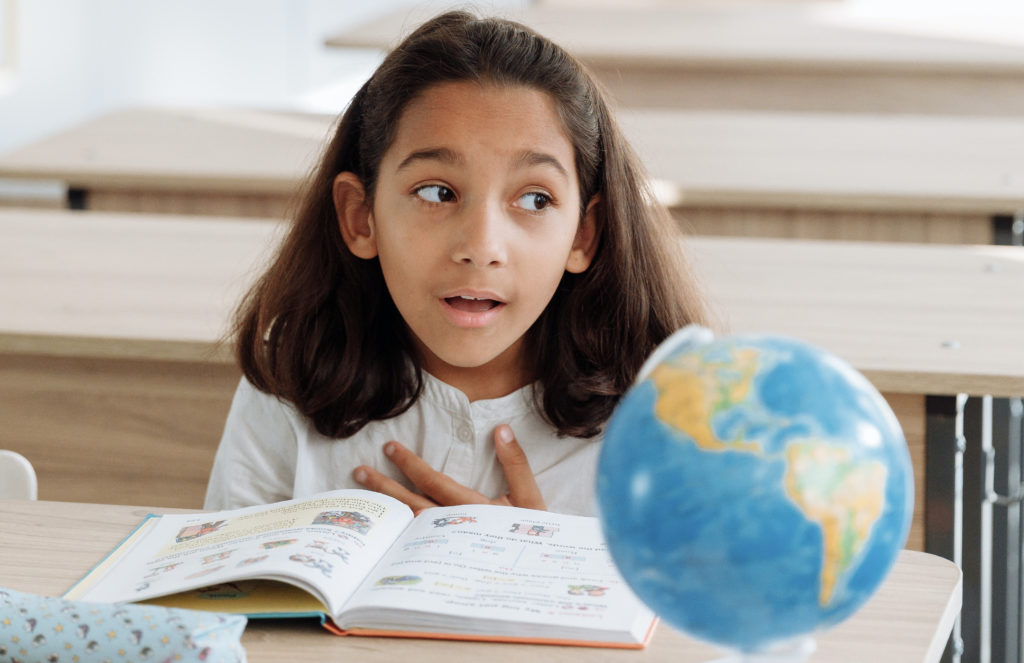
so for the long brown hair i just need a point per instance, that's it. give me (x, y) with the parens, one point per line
(320, 330)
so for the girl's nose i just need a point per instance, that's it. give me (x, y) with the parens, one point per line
(478, 239)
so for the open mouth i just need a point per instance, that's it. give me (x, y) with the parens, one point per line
(472, 304)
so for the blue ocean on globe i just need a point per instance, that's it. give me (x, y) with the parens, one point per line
(753, 489)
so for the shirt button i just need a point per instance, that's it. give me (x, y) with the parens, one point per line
(465, 434)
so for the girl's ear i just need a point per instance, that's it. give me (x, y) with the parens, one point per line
(355, 218)
(585, 245)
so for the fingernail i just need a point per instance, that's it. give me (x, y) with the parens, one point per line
(360, 475)
(389, 448)
(504, 434)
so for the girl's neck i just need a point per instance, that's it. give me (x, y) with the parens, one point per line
(501, 376)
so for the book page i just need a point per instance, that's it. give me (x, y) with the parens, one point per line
(325, 544)
(501, 564)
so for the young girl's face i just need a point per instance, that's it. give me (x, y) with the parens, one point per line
(476, 217)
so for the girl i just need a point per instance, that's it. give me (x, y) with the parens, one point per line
(476, 254)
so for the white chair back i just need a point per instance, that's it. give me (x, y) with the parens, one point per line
(17, 477)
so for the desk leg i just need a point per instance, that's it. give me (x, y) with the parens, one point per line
(78, 199)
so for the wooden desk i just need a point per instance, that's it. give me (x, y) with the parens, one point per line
(814, 176)
(111, 360)
(111, 355)
(907, 620)
(832, 176)
(764, 56)
(230, 162)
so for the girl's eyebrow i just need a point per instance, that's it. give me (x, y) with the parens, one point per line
(525, 159)
(442, 154)
(528, 158)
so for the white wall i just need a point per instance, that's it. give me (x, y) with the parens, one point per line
(79, 58)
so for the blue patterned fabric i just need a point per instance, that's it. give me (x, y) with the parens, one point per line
(39, 629)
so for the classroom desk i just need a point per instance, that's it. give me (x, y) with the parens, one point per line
(814, 176)
(907, 620)
(234, 162)
(111, 355)
(762, 56)
(833, 176)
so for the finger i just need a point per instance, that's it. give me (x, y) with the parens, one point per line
(435, 485)
(374, 480)
(522, 485)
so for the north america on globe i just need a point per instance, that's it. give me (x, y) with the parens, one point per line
(753, 489)
(712, 401)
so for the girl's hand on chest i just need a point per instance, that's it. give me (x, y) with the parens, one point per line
(438, 489)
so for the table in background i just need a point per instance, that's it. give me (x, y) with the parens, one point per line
(114, 379)
(761, 56)
(816, 176)
(113, 362)
(231, 162)
(833, 176)
(47, 546)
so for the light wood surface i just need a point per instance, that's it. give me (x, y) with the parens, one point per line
(819, 176)
(765, 56)
(116, 430)
(915, 319)
(127, 286)
(112, 360)
(912, 318)
(908, 619)
(837, 162)
(232, 162)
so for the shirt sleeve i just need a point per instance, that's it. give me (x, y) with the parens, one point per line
(255, 462)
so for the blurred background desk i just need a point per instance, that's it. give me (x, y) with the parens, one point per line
(112, 353)
(906, 621)
(114, 381)
(813, 176)
(834, 176)
(762, 56)
(231, 162)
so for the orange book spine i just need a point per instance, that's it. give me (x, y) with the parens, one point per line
(333, 628)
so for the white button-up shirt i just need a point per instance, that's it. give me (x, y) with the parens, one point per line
(270, 452)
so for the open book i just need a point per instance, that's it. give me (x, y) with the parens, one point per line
(365, 562)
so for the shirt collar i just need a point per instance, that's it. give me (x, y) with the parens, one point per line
(444, 395)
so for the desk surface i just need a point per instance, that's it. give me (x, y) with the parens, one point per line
(721, 35)
(730, 159)
(915, 319)
(236, 150)
(831, 161)
(131, 286)
(907, 620)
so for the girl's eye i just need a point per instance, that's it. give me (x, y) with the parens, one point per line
(534, 201)
(435, 193)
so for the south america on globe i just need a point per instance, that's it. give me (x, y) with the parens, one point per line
(753, 489)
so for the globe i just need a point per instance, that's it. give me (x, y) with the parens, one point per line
(753, 489)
